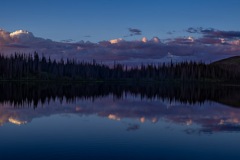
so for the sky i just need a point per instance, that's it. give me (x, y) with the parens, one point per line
(71, 21)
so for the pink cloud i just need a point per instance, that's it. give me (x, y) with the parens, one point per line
(135, 52)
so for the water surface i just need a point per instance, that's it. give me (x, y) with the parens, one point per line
(115, 121)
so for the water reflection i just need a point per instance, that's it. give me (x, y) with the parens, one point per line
(212, 108)
(22, 94)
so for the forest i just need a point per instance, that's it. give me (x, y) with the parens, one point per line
(34, 67)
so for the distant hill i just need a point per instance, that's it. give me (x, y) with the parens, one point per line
(231, 64)
(232, 61)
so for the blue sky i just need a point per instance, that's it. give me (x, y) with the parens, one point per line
(108, 19)
(205, 30)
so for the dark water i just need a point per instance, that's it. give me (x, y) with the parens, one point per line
(119, 121)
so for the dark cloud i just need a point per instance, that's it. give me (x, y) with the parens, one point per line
(214, 33)
(193, 30)
(221, 34)
(134, 32)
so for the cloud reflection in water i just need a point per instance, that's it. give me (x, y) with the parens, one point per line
(209, 116)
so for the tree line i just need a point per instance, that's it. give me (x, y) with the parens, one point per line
(35, 94)
(27, 67)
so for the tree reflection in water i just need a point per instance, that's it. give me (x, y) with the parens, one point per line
(213, 107)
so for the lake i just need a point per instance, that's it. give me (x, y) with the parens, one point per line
(119, 121)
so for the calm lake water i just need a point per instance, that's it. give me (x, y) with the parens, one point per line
(113, 121)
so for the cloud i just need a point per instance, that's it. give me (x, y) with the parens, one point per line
(220, 34)
(192, 30)
(206, 48)
(155, 40)
(206, 40)
(214, 33)
(135, 31)
(114, 41)
(235, 42)
(21, 35)
(4, 36)
(144, 40)
(176, 41)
